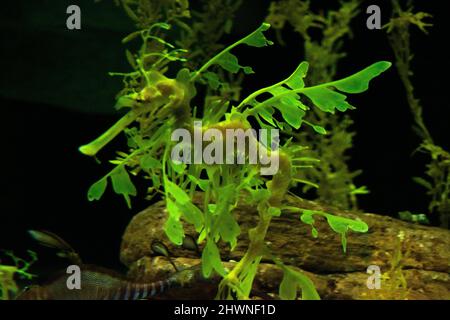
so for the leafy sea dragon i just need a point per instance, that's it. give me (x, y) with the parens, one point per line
(102, 284)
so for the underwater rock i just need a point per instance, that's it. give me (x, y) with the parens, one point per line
(414, 260)
(422, 285)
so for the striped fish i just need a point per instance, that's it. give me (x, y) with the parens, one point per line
(102, 284)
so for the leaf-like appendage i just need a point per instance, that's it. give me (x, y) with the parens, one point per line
(295, 80)
(359, 82)
(96, 191)
(286, 96)
(211, 260)
(307, 217)
(229, 62)
(213, 80)
(122, 184)
(339, 225)
(267, 114)
(291, 114)
(229, 229)
(173, 209)
(180, 206)
(289, 106)
(248, 275)
(178, 167)
(328, 100)
(174, 230)
(257, 38)
(225, 226)
(203, 184)
(148, 162)
(288, 287)
(179, 194)
(173, 227)
(319, 129)
(192, 214)
(293, 279)
(307, 286)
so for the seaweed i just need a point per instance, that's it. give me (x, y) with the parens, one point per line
(438, 169)
(17, 267)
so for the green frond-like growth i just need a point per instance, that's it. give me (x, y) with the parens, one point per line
(437, 182)
(9, 272)
(323, 34)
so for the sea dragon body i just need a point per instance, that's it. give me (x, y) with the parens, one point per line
(102, 284)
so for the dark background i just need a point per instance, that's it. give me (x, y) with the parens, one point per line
(55, 95)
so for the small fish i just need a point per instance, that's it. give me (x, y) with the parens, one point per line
(103, 284)
(190, 243)
(159, 248)
(51, 240)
